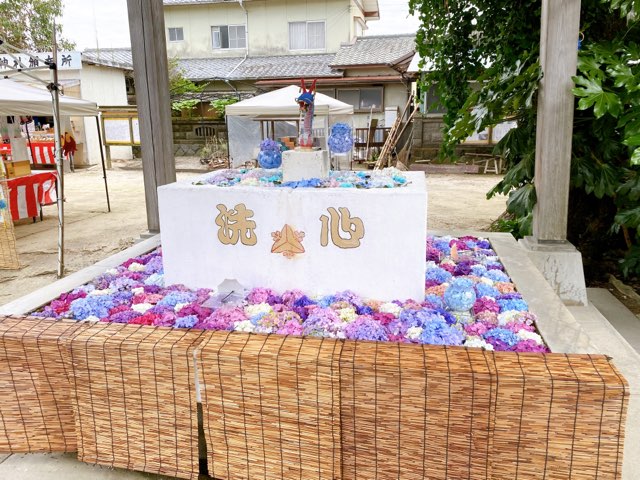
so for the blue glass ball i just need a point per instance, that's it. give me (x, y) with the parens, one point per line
(270, 158)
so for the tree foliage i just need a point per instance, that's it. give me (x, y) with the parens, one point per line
(182, 91)
(496, 43)
(28, 24)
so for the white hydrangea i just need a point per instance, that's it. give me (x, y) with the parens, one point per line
(136, 267)
(347, 314)
(137, 290)
(486, 281)
(527, 335)
(179, 306)
(244, 326)
(112, 271)
(257, 309)
(106, 291)
(477, 342)
(141, 307)
(414, 333)
(391, 308)
(508, 316)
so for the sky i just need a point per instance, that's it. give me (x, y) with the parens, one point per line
(103, 23)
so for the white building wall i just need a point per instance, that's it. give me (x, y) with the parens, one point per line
(105, 86)
(267, 26)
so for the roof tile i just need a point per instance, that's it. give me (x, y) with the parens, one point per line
(376, 50)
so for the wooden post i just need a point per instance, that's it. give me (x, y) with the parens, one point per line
(548, 248)
(149, 50)
(558, 57)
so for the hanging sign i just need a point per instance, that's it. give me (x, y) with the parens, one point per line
(66, 60)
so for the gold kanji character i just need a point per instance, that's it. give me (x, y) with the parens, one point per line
(353, 227)
(235, 225)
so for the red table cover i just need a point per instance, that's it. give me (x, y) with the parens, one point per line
(27, 194)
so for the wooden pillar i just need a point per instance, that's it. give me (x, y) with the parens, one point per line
(150, 72)
(558, 57)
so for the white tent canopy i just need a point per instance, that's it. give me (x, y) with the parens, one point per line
(282, 102)
(275, 114)
(19, 99)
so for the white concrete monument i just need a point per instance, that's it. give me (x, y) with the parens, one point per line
(304, 164)
(318, 240)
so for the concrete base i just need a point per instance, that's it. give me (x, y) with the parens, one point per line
(304, 164)
(561, 265)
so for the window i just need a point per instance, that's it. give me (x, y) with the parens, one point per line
(229, 36)
(176, 34)
(362, 98)
(431, 102)
(306, 36)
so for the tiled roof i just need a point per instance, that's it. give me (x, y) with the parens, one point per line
(376, 50)
(285, 66)
(109, 57)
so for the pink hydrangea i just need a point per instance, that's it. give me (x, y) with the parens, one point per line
(477, 329)
(437, 290)
(505, 287)
(487, 317)
(292, 327)
(224, 318)
(486, 304)
(260, 295)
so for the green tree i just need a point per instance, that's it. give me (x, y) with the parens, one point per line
(183, 92)
(496, 43)
(28, 24)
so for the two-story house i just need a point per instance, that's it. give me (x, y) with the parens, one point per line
(243, 47)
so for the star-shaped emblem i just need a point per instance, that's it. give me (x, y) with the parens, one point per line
(287, 241)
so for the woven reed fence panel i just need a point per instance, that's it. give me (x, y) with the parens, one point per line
(8, 250)
(36, 412)
(558, 417)
(135, 398)
(270, 406)
(415, 412)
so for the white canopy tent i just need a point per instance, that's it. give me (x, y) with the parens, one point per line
(275, 114)
(20, 99)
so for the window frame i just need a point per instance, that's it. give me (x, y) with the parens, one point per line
(306, 36)
(175, 30)
(359, 108)
(228, 27)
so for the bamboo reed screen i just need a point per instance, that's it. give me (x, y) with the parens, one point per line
(8, 250)
(136, 406)
(271, 406)
(35, 395)
(406, 411)
(288, 407)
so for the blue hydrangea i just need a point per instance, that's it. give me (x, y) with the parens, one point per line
(438, 274)
(186, 322)
(443, 246)
(438, 332)
(460, 295)
(507, 304)
(478, 270)
(484, 290)
(497, 276)
(504, 335)
(434, 300)
(93, 305)
(174, 298)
